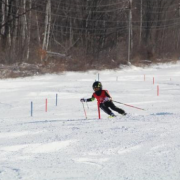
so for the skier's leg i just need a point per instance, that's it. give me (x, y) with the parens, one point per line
(106, 109)
(115, 108)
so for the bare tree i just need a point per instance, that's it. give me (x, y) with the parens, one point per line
(89, 32)
(47, 25)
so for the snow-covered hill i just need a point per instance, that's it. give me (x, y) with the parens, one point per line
(62, 144)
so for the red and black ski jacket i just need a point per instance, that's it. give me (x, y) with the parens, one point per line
(99, 95)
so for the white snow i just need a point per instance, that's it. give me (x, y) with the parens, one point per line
(61, 144)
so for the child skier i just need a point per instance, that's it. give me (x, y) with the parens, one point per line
(104, 100)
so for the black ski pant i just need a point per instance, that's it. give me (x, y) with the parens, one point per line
(109, 104)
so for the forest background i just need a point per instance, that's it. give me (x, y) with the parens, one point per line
(39, 36)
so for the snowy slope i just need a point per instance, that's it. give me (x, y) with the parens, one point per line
(62, 144)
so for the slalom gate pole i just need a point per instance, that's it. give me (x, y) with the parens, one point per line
(84, 110)
(31, 108)
(99, 113)
(129, 105)
(56, 99)
(46, 105)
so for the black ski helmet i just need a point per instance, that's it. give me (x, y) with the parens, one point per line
(97, 84)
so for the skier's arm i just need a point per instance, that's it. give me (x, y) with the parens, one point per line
(88, 100)
(107, 94)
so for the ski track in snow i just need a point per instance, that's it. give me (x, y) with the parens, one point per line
(62, 144)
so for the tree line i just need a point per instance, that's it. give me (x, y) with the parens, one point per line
(88, 33)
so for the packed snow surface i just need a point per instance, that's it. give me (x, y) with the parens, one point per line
(61, 144)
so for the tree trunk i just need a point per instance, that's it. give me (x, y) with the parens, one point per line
(29, 31)
(47, 26)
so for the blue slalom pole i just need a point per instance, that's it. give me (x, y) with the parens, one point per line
(31, 109)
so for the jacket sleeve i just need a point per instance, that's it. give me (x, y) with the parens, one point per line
(107, 94)
(90, 99)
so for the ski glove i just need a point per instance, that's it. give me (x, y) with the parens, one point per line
(83, 100)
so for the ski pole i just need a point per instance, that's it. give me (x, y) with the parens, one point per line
(84, 110)
(129, 105)
(87, 105)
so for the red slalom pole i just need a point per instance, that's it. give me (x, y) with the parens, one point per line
(130, 105)
(99, 114)
(157, 90)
